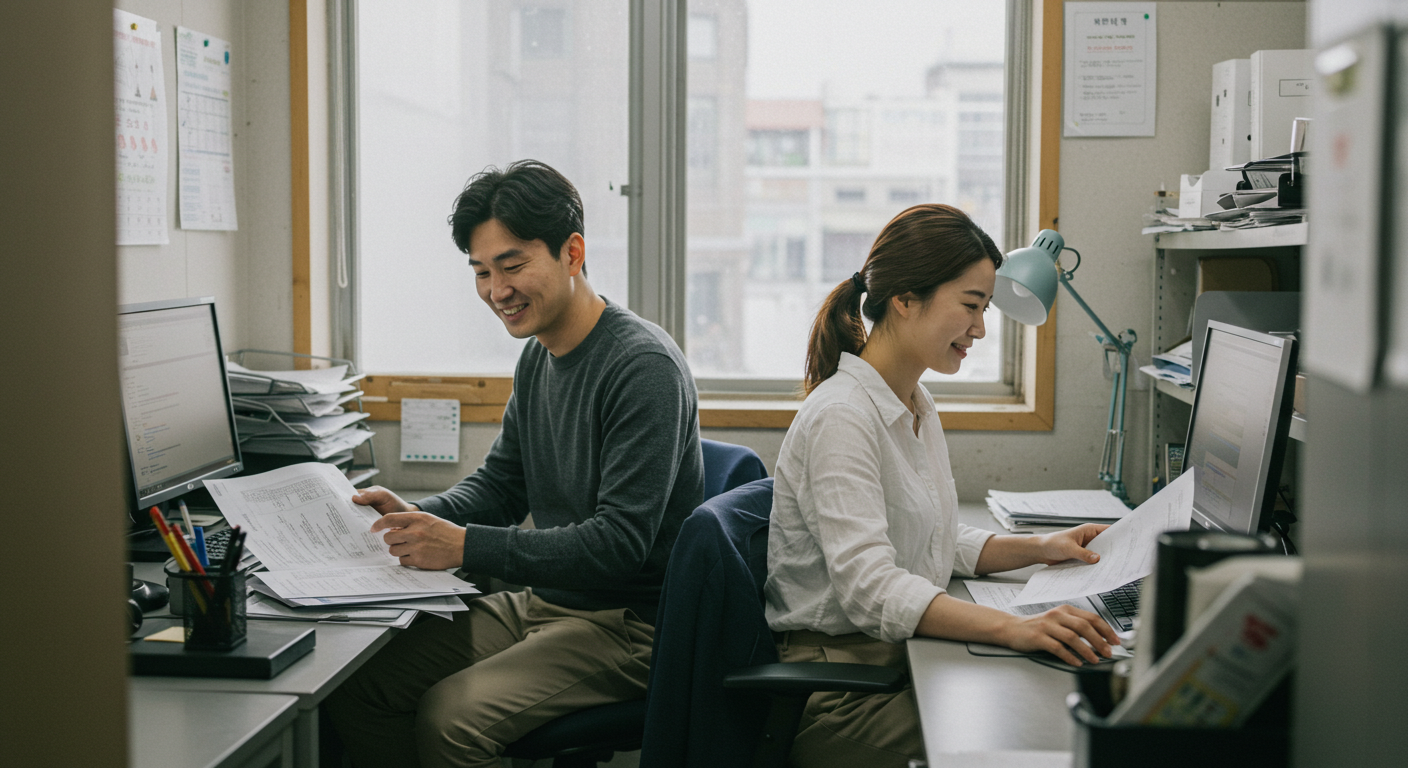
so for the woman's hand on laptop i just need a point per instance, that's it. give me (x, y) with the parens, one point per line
(1069, 544)
(1063, 631)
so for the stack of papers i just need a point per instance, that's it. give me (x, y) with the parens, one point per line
(1035, 512)
(1175, 365)
(296, 413)
(318, 546)
(301, 426)
(303, 405)
(318, 381)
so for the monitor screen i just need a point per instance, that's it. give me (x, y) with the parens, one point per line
(1236, 438)
(180, 428)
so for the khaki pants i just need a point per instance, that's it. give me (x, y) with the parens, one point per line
(853, 729)
(457, 693)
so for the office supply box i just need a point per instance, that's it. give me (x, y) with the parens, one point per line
(1280, 90)
(1231, 142)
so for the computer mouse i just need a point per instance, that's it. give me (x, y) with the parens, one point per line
(149, 596)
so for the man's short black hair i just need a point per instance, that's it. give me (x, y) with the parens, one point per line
(530, 198)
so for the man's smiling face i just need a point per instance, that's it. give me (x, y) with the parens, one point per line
(521, 280)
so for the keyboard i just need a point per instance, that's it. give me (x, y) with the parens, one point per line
(217, 544)
(1123, 604)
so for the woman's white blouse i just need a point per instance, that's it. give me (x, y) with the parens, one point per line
(864, 532)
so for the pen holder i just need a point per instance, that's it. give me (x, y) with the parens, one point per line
(212, 608)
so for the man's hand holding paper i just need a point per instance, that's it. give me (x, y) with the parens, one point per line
(1126, 549)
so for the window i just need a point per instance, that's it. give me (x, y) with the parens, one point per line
(804, 126)
(702, 36)
(853, 111)
(445, 88)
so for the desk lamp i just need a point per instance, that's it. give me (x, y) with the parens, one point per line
(1025, 291)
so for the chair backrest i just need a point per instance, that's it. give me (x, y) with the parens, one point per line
(711, 622)
(727, 466)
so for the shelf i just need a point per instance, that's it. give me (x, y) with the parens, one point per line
(1222, 239)
(1298, 421)
(1174, 391)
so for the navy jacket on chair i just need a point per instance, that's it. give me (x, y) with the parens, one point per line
(711, 622)
(727, 466)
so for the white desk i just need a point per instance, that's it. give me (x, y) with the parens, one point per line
(979, 711)
(209, 730)
(340, 650)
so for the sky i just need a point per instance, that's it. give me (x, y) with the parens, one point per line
(858, 49)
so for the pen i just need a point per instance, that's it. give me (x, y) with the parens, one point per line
(233, 552)
(186, 515)
(201, 554)
(190, 557)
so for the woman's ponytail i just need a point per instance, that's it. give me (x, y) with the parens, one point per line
(838, 328)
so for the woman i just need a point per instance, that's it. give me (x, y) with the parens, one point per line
(864, 535)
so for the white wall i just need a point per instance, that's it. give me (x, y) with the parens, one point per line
(248, 270)
(1106, 184)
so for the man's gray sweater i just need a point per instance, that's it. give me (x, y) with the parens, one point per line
(601, 445)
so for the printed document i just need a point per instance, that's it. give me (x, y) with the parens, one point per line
(1126, 549)
(302, 524)
(1072, 504)
(140, 91)
(205, 155)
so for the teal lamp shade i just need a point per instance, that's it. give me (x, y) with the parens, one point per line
(1026, 283)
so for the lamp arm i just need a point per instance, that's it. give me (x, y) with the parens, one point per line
(1111, 338)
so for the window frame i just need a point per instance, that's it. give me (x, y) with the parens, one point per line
(656, 191)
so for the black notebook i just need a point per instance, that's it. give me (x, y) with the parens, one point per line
(270, 647)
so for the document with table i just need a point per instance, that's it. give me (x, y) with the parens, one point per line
(1126, 549)
(317, 544)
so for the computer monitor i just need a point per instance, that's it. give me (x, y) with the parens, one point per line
(1237, 435)
(177, 419)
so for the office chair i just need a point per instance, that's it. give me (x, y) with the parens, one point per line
(717, 693)
(591, 736)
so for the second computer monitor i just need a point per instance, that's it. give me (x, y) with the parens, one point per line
(1237, 435)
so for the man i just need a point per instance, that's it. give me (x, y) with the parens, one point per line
(600, 443)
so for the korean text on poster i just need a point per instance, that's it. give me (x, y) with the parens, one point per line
(1110, 69)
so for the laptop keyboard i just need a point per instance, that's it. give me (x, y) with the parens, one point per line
(1123, 604)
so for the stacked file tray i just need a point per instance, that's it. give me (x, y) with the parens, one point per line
(1052, 510)
(286, 416)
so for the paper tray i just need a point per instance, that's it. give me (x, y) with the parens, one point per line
(1265, 740)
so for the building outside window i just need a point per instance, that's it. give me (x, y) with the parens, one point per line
(853, 112)
(808, 124)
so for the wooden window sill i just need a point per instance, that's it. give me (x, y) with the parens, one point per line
(482, 400)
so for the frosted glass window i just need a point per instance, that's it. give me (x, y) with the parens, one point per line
(444, 89)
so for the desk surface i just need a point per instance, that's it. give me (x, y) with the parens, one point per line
(203, 730)
(988, 711)
(340, 650)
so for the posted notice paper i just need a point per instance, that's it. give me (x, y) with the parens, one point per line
(206, 154)
(140, 88)
(1126, 549)
(1110, 69)
(430, 430)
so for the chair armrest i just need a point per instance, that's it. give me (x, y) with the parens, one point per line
(809, 676)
